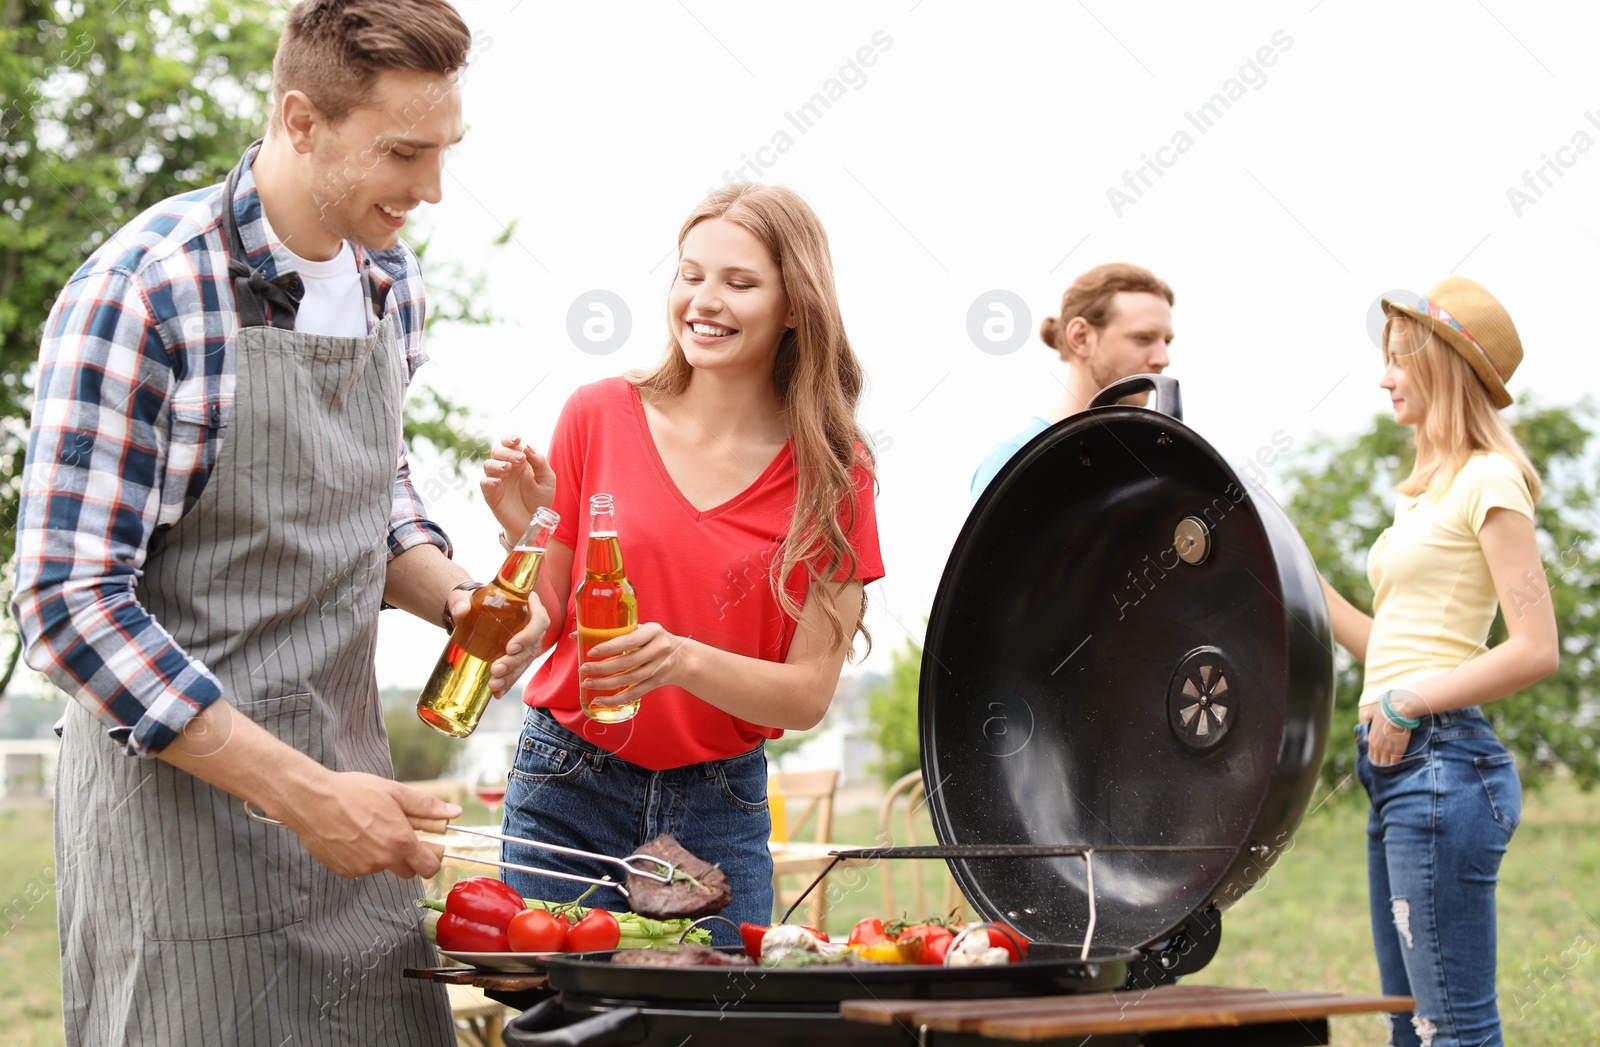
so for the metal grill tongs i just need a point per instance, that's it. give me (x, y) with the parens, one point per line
(663, 873)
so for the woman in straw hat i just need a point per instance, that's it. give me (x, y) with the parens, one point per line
(1445, 794)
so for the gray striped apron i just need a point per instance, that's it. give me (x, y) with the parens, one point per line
(182, 921)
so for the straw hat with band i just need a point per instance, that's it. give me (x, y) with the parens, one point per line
(1474, 324)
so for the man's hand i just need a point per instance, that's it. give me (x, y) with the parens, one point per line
(353, 823)
(357, 824)
(522, 648)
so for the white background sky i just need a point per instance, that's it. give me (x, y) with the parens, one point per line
(976, 154)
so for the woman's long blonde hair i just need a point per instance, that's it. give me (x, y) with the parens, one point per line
(818, 379)
(1458, 418)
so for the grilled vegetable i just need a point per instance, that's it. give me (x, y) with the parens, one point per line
(935, 939)
(890, 951)
(975, 951)
(867, 932)
(784, 939)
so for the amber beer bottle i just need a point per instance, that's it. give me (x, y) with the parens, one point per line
(606, 608)
(458, 691)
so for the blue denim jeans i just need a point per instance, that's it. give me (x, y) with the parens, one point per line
(1440, 821)
(564, 790)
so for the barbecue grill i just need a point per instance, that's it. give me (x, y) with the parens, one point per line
(1125, 696)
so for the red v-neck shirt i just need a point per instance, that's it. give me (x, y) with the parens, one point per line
(701, 574)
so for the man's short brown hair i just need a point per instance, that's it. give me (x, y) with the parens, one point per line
(1091, 294)
(333, 50)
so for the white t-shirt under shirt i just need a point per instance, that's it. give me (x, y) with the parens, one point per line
(1433, 596)
(335, 302)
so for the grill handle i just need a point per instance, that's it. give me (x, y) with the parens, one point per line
(543, 1025)
(1168, 400)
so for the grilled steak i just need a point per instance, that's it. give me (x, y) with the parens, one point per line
(697, 888)
(685, 956)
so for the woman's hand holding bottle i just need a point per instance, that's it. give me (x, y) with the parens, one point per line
(516, 480)
(640, 661)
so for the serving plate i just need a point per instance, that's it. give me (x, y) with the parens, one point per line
(508, 962)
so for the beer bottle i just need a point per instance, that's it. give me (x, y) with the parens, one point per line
(458, 691)
(606, 608)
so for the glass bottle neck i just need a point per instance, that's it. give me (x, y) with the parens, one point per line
(604, 559)
(520, 570)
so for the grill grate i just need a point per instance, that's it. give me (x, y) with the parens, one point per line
(1086, 852)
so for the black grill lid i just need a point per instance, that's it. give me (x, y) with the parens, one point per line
(1128, 648)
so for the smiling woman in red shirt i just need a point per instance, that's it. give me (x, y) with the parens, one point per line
(744, 503)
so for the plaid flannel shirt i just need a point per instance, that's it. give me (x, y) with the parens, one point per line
(135, 389)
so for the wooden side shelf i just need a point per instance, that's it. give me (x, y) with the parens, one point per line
(1122, 1014)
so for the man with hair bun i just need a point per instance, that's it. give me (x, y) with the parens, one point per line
(216, 503)
(1116, 320)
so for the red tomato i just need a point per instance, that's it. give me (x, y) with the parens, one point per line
(534, 930)
(594, 933)
(821, 936)
(867, 932)
(935, 940)
(751, 934)
(1010, 939)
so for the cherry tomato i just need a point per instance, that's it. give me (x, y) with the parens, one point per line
(751, 934)
(935, 939)
(821, 936)
(1010, 939)
(867, 932)
(534, 930)
(594, 933)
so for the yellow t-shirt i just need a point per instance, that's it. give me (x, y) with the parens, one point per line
(1433, 598)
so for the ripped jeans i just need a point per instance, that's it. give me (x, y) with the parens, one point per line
(1440, 821)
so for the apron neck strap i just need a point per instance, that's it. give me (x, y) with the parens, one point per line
(252, 291)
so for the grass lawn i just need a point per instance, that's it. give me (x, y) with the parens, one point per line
(1304, 927)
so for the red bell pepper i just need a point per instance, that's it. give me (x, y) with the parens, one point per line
(477, 912)
(483, 899)
(459, 934)
(867, 932)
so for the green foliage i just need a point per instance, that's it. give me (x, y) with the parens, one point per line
(1342, 499)
(419, 752)
(105, 110)
(892, 711)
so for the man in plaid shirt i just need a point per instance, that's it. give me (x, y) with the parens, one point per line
(139, 369)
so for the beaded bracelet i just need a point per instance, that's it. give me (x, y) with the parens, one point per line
(1392, 714)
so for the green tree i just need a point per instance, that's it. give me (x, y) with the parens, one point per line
(892, 711)
(1341, 495)
(104, 111)
(419, 752)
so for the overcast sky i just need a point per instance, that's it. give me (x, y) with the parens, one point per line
(1356, 148)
